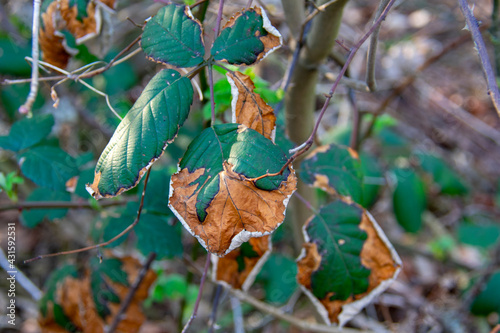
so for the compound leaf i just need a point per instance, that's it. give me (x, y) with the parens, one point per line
(246, 38)
(335, 169)
(346, 261)
(27, 132)
(48, 166)
(151, 124)
(213, 194)
(173, 36)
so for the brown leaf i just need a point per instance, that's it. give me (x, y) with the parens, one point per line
(238, 268)
(75, 297)
(377, 254)
(238, 212)
(51, 41)
(85, 28)
(248, 107)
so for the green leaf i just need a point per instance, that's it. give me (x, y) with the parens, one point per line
(173, 36)
(335, 169)
(168, 286)
(335, 231)
(373, 179)
(81, 8)
(409, 199)
(32, 217)
(27, 132)
(56, 277)
(151, 124)
(250, 154)
(102, 292)
(49, 167)
(278, 278)
(12, 57)
(13, 96)
(157, 193)
(155, 234)
(84, 177)
(445, 177)
(245, 39)
(479, 230)
(488, 300)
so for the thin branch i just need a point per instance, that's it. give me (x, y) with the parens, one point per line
(473, 27)
(212, 95)
(124, 232)
(197, 3)
(215, 306)
(200, 291)
(35, 53)
(22, 279)
(372, 50)
(219, 18)
(131, 292)
(356, 120)
(26, 205)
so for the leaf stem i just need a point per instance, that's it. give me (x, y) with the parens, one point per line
(131, 292)
(473, 26)
(200, 291)
(124, 232)
(212, 95)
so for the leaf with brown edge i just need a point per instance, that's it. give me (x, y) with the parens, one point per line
(248, 108)
(212, 196)
(239, 268)
(83, 26)
(346, 262)
(71, 303)
(247, 38)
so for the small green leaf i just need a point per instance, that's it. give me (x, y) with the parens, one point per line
(49, 167)
(446, 178)
(151, 124)
(479, 230)
(335, 231)
(335, 169)
(32, 217)
(488, 300)
(155, 234)
(12, 57)
(168, 286)
(102, 292)
(245, 39)
(409, 199)
(27, 132)
(173, 36)
(250, 154)
(278, 278)
(373, 179)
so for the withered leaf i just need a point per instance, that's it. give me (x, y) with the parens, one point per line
(212, 193)
(246, 38)
(240, 267)
(83, 24)
(346, 261)
(248, 108)
(74, 303)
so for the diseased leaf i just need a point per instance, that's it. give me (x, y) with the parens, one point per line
(212, 196)
(32, 217)
(409, 199)
(82, 18)
(346, 261)
(143, 134)
(89, 303)
(246, 38)
(173, 36)
(334, 169)
(27, 132)
(248, 108)
(240, 267)
(49, 167)
(445, 177)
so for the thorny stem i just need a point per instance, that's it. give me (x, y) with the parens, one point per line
(304, 147)
(473, 26)
(131, 292)
(124, 232)
(26, 107)
(200, 291)
(372, 51)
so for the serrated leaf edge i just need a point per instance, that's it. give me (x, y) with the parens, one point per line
(351, 309)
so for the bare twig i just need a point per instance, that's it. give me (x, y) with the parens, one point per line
(26, 205)
(131, 292)
(473, 27)
(356, 121)
(197, 3)
(124, 232)
(372, 50)
(22, 279)
(212, 95)
(26, 107)
(200, 291)
(219, 18)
